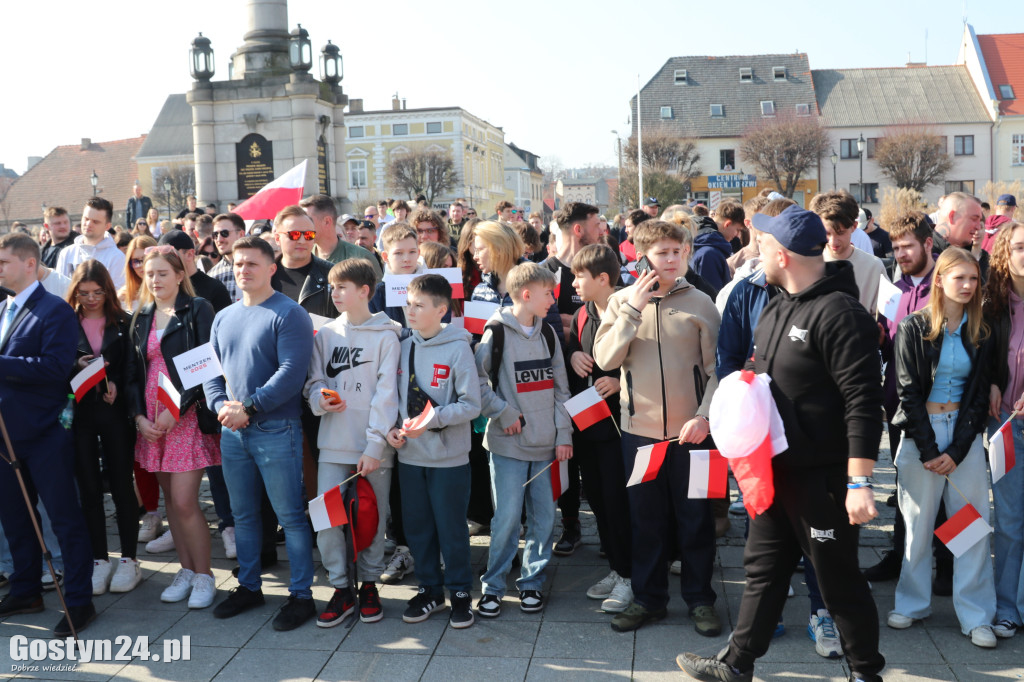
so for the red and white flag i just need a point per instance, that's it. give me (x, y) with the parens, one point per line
(587, 408)
(648, 463)
(476, 314)
(454, 277)
(283, 191)
(964, 530)
(422, 420)
(709, 475)
(559, 478)
(1001, 455)
(328, 510)
(168, 396)
(88, 378)
(558, 284)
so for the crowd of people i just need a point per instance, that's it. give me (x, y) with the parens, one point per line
(457, 430)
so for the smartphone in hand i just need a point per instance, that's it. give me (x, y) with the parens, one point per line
(330, 396)
(643, 265)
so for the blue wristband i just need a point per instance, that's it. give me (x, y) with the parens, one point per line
(854, 486)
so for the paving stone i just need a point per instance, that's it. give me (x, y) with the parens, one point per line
(391, 635)
(373, 667)
(204, 663)
(561, 670)
(448, 668)
(489, 637)
(269, 664)
(582, 640)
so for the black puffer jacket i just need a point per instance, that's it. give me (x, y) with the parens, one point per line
(916, 360)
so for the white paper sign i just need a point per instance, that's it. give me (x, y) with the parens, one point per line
(197, 365)
(888, 297)
(396, 286)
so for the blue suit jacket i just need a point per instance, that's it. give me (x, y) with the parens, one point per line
(36, 359)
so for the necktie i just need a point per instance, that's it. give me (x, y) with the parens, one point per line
(12, 309)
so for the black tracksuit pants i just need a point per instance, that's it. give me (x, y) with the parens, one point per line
(604, 481)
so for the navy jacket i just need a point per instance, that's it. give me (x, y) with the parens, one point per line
(710, 251)
(36, 360)
(742, 311)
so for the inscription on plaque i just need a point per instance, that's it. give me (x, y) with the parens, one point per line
(323, 172)
(254, 159)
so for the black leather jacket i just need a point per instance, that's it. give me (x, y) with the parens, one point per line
(916, 360)
(116, 350)
(315, 297)
(189, 328)
(999, 368)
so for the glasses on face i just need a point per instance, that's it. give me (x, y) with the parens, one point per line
(514, 211)
(137, 262)
(426, 230)
(163, 249)
(370, 216)
(90, 295)
(471, 214)
(223, 234)
(210, 254)
(294, 235)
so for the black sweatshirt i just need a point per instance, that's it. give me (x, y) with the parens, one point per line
(820, 348)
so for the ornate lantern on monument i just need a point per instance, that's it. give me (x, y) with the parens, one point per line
(300, 50)
(331, 69)
(201, 59)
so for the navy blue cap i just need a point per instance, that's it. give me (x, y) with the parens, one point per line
(178, 239)
(651, 201)
(1006, 200)
(798, 230)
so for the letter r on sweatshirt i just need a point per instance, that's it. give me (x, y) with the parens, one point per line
(441, 373)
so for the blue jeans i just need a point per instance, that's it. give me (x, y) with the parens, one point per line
(221, 499)
(507, 478)
(270, 450)
(1008, 495)
(7, 562)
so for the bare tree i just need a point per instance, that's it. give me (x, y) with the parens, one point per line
(666, 154)
(183, 183)
(785, 148)
(421, 171)
(913, 157)
(553, 169)
(668, 187)
(897, 201)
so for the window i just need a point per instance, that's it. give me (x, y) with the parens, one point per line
(1006, 92)
(1017, 150)
(848, 148)
(779, 73)
(870, 192)
(768, 108)
(803, 109)
(746, 75)
(727, 159)
(400, 129)
(680, 76)
(869, 150)
(718, 110)
(966, 186)
(355, 131)
(963, 145)
(666, 112)
(357, 173)
(433, 128)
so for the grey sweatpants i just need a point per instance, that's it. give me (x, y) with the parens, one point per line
(331, 542)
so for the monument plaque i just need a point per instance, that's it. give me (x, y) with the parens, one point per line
(254, 159)
(323, 173)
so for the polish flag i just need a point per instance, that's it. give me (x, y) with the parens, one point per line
(283, 191)
(328, 510)
(425, 416)
(963, 531)
(709, 475)
(476, 314)
(648, 463)
(558, 284)
(587, 408)
(88, 378)
(168, 396)
(1001, 455)
(454, 277)
(559, 478)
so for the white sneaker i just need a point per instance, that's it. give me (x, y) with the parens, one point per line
(1005, 629)
(401, 563)
(982, 636)
(204, 590)
(897, 621)
(227, 536)
(152, 524)
(676, 567)
(164, 543)
(791, 592)
(127, 575)
(100, 576)
(620, 598)
(822, 631)
(180, 588)
(602, 588)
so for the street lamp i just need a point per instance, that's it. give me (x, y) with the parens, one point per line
(167, 192)
(94, 180)
(331, 67)
(860, 153)
(300, 50)
(201, 59)
(834, 159)
(618, 142)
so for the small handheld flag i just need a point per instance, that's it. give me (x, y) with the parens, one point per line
(168, 396)
(964, 530)
(1001, 454)
(587, 408)
(709, 475)
(88, 378)
(559, 478)
(476, 314)
(328, 510)
(648, 463)
(422, 420)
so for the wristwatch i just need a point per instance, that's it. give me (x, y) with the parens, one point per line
(249, 407)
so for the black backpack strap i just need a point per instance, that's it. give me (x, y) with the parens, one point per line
(497, 350)
(549, 337)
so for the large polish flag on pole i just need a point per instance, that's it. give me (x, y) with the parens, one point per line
(283, 191)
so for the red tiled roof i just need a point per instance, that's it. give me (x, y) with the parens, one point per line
(1004, 57)
(62, 179)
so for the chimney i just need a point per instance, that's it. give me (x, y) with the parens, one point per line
(86, 143)
(403, 104)
(32, 161)
(355, 106)
(396, 104)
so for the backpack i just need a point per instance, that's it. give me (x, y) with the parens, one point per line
(498, 346)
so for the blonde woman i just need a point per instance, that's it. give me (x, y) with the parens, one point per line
(128, 295)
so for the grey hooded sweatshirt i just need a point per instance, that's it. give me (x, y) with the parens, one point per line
(446, 373)
(531, 382)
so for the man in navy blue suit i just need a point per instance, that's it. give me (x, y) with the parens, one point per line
(38, 338)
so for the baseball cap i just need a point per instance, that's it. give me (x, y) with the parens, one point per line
(652, 201)
(347, 217)
(178, 239)
(1006, 200)
(799, 230)
(366, 224)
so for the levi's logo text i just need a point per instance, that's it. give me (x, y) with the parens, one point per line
(344, 358)
(534, 375)
(441, 373)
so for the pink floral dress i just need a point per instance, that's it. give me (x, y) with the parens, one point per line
(185, 448)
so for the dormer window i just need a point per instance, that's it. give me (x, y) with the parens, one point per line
(680, 76)
(779, 73)
(768, 108)
(717, 111)
(666, 112)
(803, 109)
(746, 75)
(1006, 92)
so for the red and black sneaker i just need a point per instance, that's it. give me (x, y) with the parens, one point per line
(370, 609)
(340, 607)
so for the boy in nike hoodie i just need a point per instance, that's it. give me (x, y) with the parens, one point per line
(524, 397)
(436, 370)
(356, 356)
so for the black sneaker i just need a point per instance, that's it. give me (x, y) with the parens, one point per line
(531, 601)
(422, 606)
(340, 607)
(295, 612)
(462, 610)
(712, 669)
(887, 569)
(12, 606)
(81, 616)
(370, 609)
(570, 539)
(240, 600)
(489, 606)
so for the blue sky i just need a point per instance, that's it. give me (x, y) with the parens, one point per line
(557, 76)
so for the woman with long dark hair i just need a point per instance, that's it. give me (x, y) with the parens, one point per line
(102, 417)
(942, 365)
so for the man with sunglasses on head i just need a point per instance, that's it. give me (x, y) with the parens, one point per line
(227, 229)
(322, 210)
